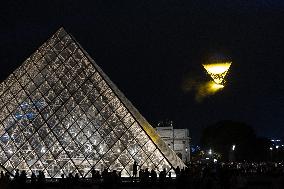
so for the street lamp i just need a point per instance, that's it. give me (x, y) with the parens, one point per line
(277, 155)
(232, 153)
(271, 153)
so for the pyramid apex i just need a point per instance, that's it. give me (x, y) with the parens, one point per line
(61, 32)
(61, 28)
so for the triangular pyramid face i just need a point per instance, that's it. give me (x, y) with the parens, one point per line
(217, 71)
(60, 114)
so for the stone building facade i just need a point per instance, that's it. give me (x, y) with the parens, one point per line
(177, 139)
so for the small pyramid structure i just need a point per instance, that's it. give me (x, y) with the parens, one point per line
(61, 114)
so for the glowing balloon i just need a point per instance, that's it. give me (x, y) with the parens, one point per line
(218, 71)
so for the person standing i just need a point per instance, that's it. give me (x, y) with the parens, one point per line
(135, 169)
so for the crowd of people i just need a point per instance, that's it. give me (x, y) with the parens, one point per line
(196, 176)
(231, 175)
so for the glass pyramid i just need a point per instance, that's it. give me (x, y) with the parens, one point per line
(60, 114)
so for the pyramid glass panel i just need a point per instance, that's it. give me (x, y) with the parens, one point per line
(61, 114)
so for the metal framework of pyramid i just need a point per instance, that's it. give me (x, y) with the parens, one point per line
(60, 114)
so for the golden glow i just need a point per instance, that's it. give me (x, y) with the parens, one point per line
(217, 71)
(212, 87)
(215, 86)
(218, 68)
(207, 89)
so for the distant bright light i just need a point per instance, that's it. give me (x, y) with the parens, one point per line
(210, 152)
(277, 147)
(233, 147)
(217, 71)
(275, 140)
(270, 148)
(215, 160)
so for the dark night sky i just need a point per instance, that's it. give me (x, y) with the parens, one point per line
(148, 48)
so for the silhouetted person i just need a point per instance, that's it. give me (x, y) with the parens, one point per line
(7, 177)
(104, 175)
(23, 176)
(63, 181)
(5, 181)
(135, 169)
(119, 176)
(23, 179)
(17, 174)
(16, 180)
(162, 176)
(33, 178)
(114, 179)
(76, 178)
(177, 170)
(97, 176)
(146, 175)
(93, 172)
(153, 176)
(141, 175)
(2, 175)
(41, 179)
(70, 180)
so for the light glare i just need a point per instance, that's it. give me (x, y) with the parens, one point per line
(215, 86)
